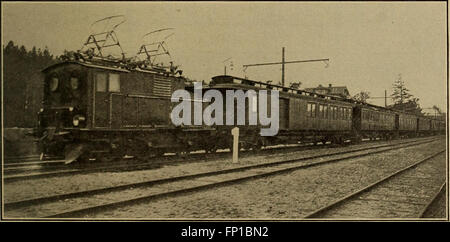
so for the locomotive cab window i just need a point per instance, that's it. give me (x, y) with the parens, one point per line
(54, 83)
(101, 82)
(114, 82)
(74, 83)
(107, 82)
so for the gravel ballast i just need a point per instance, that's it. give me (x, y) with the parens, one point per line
(287, 196)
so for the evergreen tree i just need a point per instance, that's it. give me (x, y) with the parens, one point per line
(23, 83)
(403, 100)
(401, 93)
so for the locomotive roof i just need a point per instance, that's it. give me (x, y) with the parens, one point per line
(113, 66)
(84, 64)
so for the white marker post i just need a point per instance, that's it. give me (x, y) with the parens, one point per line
(235, 133)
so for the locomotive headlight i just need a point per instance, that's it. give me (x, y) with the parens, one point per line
(77, 119)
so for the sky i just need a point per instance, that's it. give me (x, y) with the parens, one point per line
(368, 43)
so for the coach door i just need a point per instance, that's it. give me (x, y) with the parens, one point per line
(105, 85)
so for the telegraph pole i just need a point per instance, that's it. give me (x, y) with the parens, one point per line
(385, 98)
(282, 67)
(284, 62)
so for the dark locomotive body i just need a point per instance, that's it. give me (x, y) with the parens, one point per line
(104, 111)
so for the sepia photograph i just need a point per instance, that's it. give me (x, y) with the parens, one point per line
(224, 111)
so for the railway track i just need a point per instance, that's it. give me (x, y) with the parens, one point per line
(78, 204)
(406, 193)
(57, 168)
(436, 208)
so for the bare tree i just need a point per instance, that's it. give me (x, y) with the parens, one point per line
(361, 96)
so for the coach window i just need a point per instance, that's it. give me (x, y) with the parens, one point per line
(308, 109)
(321, 111)
(254, 104)
(114, 82)
(313, 110)
(101, 82)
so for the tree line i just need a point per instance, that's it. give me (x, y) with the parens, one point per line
(23, 83)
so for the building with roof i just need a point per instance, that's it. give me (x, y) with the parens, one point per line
(339, 91)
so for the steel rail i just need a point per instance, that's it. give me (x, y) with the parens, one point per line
(319, 212)
(428, 207)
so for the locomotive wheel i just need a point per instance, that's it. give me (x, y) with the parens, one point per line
(257, 146)
(182, 154)
(105, 157)
(211, 149)
(151, 153)
(334, 140)
(86, 158)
